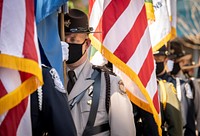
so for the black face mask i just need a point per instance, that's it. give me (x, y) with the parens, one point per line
(75, 52)
(176, 69)
(159, 67)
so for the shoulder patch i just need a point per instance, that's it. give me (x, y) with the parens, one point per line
(122, 87)
(57, 82)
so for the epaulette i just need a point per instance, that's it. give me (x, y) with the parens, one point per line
(108, 87)
(103, 69)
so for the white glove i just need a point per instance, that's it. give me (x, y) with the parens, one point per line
(65, 50)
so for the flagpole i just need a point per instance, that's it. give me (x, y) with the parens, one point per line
(63, 11)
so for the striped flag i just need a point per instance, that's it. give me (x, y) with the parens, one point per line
(124, 41)
(20, 70)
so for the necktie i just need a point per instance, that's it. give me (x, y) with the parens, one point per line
(72, 80)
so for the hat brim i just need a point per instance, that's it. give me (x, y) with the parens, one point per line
(190, 67)
(185, 57)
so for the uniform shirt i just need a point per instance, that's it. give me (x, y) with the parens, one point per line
(77, 70)
(120, 116)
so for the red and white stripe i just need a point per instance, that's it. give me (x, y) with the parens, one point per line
(18, 38)
(125, 34)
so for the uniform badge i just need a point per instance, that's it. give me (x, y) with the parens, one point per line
(89, 102)
(90, 91)
(121, 87)
(57, 82)
(67, 23)
(188, 91)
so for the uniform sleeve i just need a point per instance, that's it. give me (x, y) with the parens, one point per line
(120, 113)
(55, 114)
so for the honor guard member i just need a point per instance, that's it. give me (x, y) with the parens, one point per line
(188, 71)
(98, 100)
(170, 105)
(50, 112)
(185, 93)
(187, 68)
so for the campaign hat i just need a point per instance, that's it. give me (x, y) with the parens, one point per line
(76, 21)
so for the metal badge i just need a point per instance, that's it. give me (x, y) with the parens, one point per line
(90, 91)
(89, 102)
(67, 23)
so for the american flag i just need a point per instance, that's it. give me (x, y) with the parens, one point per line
(20, 70)
(124, 41)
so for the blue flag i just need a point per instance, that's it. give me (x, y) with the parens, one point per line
(48, 33)
(44, 8)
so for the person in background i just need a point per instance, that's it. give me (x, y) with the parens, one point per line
(50, 112)
(188, 71)
(186, 93)
(98, 100)
(170, 105)
(188, 75)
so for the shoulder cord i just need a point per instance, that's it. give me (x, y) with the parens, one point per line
(107, 102)
(40, 95)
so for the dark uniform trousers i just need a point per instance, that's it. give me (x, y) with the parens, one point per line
(55, 117)
(144, 122)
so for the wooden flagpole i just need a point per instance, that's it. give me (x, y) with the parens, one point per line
(63, 11)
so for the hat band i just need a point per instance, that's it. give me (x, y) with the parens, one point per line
(78, 29)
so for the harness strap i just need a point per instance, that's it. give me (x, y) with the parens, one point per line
(95, 104)
(96, 129)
